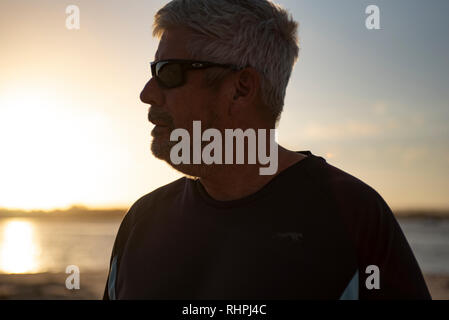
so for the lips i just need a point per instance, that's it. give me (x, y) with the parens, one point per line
(161, 120)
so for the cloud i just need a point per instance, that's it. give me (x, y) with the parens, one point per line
(350, 129)
(413, 155)
(380, 108)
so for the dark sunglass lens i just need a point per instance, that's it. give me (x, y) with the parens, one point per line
(170, 74)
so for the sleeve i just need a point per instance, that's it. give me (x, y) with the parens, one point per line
(400, 274)
(119, 243)
(126, 229)
(387, 266)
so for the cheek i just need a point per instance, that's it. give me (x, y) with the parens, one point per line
(186, 107)
(178, 105)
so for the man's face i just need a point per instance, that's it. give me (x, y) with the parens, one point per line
(178, 107)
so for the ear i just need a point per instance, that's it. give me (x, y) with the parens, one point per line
(246, 87)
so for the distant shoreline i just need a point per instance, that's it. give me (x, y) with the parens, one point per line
(419, 214)
(79, 211)
(72, 212)
(85, 212)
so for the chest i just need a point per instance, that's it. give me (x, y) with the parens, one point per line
(280, 258)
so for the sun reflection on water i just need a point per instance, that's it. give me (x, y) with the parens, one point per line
(18, 249)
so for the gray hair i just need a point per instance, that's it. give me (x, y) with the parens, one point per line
(256, 33)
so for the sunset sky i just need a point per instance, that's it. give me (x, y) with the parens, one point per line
(374, 103)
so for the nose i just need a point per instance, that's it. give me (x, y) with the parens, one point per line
(152, 94)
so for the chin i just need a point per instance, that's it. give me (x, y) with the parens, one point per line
(161, 149)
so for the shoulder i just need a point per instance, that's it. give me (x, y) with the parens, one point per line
(368, 220)
(147, 204)
(151, 201)
(351, 191)
(364, 213)
(341, 188)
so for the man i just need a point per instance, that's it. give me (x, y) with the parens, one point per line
(226, 231)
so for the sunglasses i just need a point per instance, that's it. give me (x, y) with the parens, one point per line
(172, 73)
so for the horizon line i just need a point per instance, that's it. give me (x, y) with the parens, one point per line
(72, 207)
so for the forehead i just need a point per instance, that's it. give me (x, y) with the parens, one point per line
(173, 44)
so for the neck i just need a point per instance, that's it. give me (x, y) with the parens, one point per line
(231, 182)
